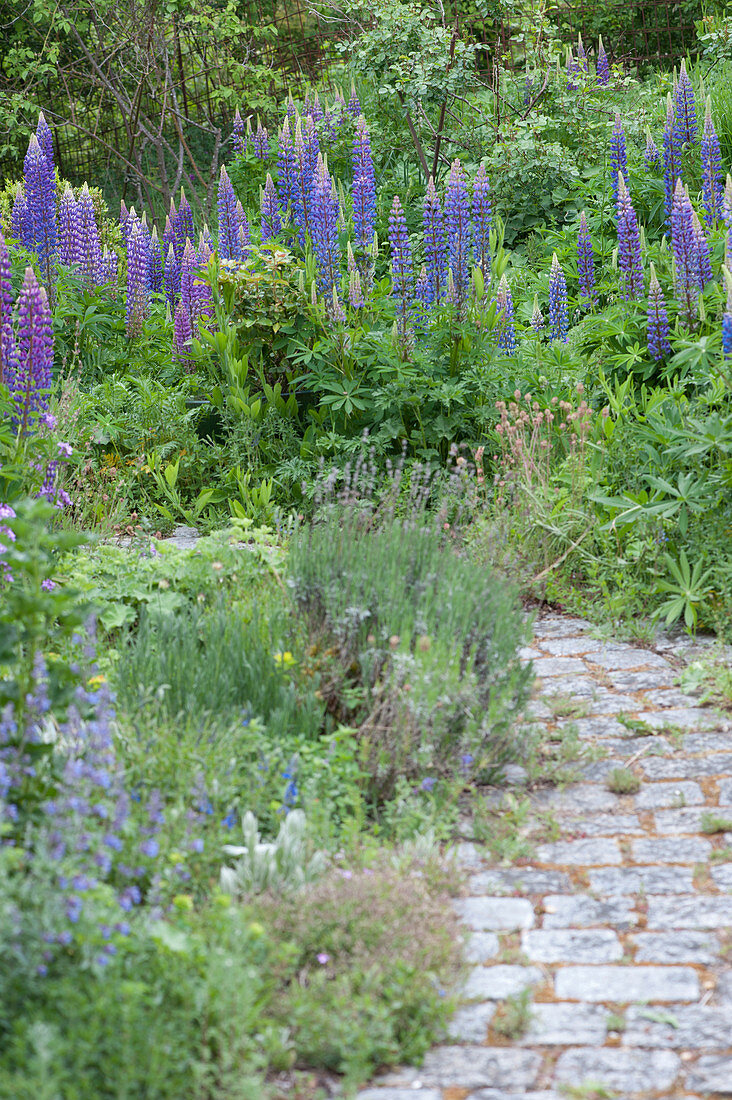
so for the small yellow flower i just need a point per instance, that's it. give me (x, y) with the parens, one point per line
(284, 660)
(97, 680)
(183, 901)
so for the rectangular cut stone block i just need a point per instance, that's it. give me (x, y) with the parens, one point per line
(494, 983)
(671, 850)
(725, 793)
(641, 680)
(558, 666)
(605, 825)
(615, 659)
(722, 876)
(482, 946)
(708, 742)
(694, 717)
(582, 853)
(696, 911)
(552, 687)
(584, 798)
(711, 1074)
(552, 945)
(657, 796)
(599, 727)
(474, 1067)
(608, 702)
(495, 914)
(622, 984)
(642, 880)
(687, 767)
(400, 1094)
(501, 1094)
(676, 947)
(558, 626)
(678, 822)
(569, 647)
(470, 1024)
(578, 910)
(566, 1025)
(627, 1071)
(528, 880)
(679, 1027)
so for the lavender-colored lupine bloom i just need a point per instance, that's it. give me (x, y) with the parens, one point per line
(40, 196)
(88, 256)
(618, 156)
(229, 246)
(8, 350)
(291, 108)
(188, 271)
(712, 175)
(658, 344)
(156, 264)
(652, 154)
(324, 230)
(182, 333)
(67, 230)
(109, 267)
(171, 278)
(581, 54)
(172, 217)
(585, 259)
(239, 135)
(537, 317)
(138, 278)
(572, 71)
(335, 309)
(261, 142)
(45, 138)
(727, 316)
(21, 227)
(168, 243)
(506, 324)
(629, 244)
(355, 293)
(312, 146)
(401, 266)
(364, 186)
(288, 184)
(603, 68)
(184, 230)
(685, 109)
(457, 216)
(703, 255)
(354, 103)
(482, 224)
(304, 185)
(685, 250)
(435, 244)
(421, 298)
(34, 372)
(270, 222)
(558, 310)
(123, 215)
(245, 232)
(671, 158)
(316, 111)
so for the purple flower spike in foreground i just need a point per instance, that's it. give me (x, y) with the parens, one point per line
(652, 154)
(364, 186)
(89, 252)
(618, 156)
(35, 351)
(401, 266)
(537, 317)
(21, 228)
(457, 215)
(138, 279)
(8, 351)
(435, 245)
(261, 142)
(324, 230)
(671, 158)
(156, 264)
(355, 293)
(685, 250)
(685, 107)
(558, 311)
(354, 103)
(67, 230)
(629, 245)
(712, 175)
(603, 68)
(109, 268)
(40, 196)
(658, 345)
(45, 138)
(240, 134)
(287, 179)
(727, 317)
(245, 232)
(171, 278)
(506, 325)
(184, 230)
(585, 260)
(271, 222)
(229, 246)
(482, 224)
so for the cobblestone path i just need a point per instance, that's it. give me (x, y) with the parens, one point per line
(622, 927)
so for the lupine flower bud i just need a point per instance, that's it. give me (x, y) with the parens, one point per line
(89, 252)
(629, 246)
(618, 156)
(271, 222)
(229, 245)
(138, 276)
(457, 214)
(572, 71)
(421, 293)
(585, 259)
(156, 264)
(21, 228)
(658, 345)
(171, 278)
(581, 54)
(603, 68)
(123, 215)
(652, 154)
(45, 139)
(671, 158)
(184, 230)
(537, 317)
(727, 316)
(34, 372)
(354, 103)
(435, 245)
(182, 334)
(336, 309)
(685, 249)
(355, 293)
(364, 186)
(712, 175)
(261, 142)
(685, 105)
(67, 229)
(482, 224)
(287, 178)
(245, 232)
(316, 111)
(109, 267)
(40, 197)
(8, 350)
(506, 325)
(703, 257)
(401, 266)
(240, 139)
(558, 312)
(324, 229)
(291, 108)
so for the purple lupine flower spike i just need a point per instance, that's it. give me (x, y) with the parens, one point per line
(287, 177)
(271, 222)
(355, 293)
(457, 216)
(618, 156)
(182, 333)
(173, 218)
(123, 215)
(21, 228)
(671, 158)
(244, 234)
(537, 317)
(401, 267)
(657, 340)
(240, 137)
(603, 68)
(156, 264)
(506, 324)
(364, 186)
(727, 316)
(188, 266)
(558, 310)
(67, 231)
(685, 107)
(45, 138)
(291, 108)
(35, 351)
(8, 350)
(316, 111)
(572, 71)
(629, 244)
(354, 103)
(712, 175)
(261, 142)
(482, 224)
(304, 185)
(229, 247)
(703, 256)
(40, 196)
(184, 230)
(171, 278)
(581, 54)
(324, 230)
(335, 309)
(435, 245)
(138, 278)
(109, 268)
(585, 260)
(89, 253)
(686, 258)
(652, 154)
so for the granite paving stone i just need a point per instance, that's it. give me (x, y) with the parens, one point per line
(472, 1067)
(608, 702)
(634, 680)
(580, 911)
(708, 742)
(679, 716)
(495, 983)
(623, 984)
(603, 825)
(722, 875)
(670, 849)
(629, 1071)
(676, 947)
(597, 945)
(679, 1027)
(567, 647)
(677, 822)
(470, 1023)
(657, 796)
(599, 727)
(687, 767)
(585, 797)
(584, 853)
(564, 1024)
(400, 1094)
(697, 911)
(529, 880)
(712, 1073)
(613, 659)
(482, 946)
(495, 914)
(725, 792)
(642, 880)
(557, 666)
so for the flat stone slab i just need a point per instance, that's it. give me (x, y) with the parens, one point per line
(399, 1094)
(583, 853)
(680, 716)
(554, 689)
(600, 727)
(687, 767)
(708, 742)
(725, 793)
(495, 914)
(527, 880)
(566, 1025)
(482, 946)
(678, 822)
(584, 798)
(606, 702)
(495, 983)
(642, 880)
(614, 658)
(722, 875)
(500, 1094)
(473, 1067)
(671, 849)
(679, 1027)
(556, 945)
(676, 947)
(657, 796)
(668, 697)
(578, 910)
(622, 984)
(558, 666)
(711, 1073)
(627, 1071)
(642, 680)
(604, 825)
(697, 911)
(470, 1024)
(569, 647)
